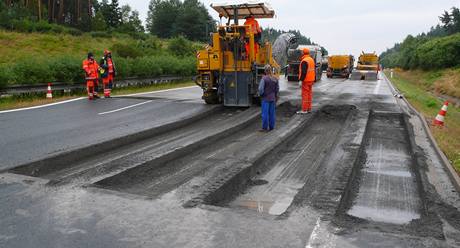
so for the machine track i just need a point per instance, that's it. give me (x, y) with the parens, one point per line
(160, 176)
(386, 190)
(271, 184)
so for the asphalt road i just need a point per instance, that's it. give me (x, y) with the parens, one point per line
(358, 172)
(33, 134)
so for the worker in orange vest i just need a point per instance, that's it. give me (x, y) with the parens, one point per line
(107, 73)
(91, 68)
(255, 28)
(307, 75)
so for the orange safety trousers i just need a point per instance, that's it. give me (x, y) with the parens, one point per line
(307, 96)
(108, 84)
(90, 87)
(256, 49)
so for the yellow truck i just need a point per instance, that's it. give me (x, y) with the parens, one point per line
(340, 65)
(231, 66)
(367, 67)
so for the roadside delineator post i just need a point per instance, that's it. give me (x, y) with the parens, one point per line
(49, 93)
(439, 120)
(391, 73)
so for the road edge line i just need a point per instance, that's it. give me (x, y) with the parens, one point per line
(41, 106)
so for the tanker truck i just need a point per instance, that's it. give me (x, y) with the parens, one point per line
(340, 65)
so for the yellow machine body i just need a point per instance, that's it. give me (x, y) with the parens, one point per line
(340, 65)
(230, 67)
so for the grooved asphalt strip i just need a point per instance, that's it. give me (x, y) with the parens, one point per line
(295, 125)
(447, 165)
(248, 116)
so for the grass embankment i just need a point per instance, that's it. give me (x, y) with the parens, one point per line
(14, 102)
(33, 58)
(421, 89)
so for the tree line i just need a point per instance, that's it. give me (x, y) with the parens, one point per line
(83, 15)
(437, 48)
(166, 18)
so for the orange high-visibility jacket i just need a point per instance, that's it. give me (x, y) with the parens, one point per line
(90, 68)
(307, 64)
(111, 66)
(251, 21)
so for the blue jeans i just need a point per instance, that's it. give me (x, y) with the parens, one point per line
(268, 115)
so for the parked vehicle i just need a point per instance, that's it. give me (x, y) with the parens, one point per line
(340, 65)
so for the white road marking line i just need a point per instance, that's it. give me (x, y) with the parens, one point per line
(158, 91)
(127, 107)
(41, 106)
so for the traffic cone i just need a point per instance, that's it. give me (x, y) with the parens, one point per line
(439, 120)
(49, 93)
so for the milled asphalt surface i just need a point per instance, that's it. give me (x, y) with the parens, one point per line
(320, 173)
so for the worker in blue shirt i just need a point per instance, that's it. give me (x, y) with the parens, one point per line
(268, 91)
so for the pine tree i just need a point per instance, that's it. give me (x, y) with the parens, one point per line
(136, 22)
(161, 17)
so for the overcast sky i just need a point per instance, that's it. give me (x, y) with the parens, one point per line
(347, 26)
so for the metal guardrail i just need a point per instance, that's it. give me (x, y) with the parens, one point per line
(69, 87)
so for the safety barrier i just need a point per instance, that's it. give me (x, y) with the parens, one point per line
(70, 87)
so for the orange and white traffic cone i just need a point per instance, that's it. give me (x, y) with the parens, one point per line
(439, 120)
(49, 93)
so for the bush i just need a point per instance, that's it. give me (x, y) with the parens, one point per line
(424, 52)
(43, 26)
(180, 46)
(123, 67)
(6, 76)
(100, 34)
(73, 31)
(431, 103)
(58, 29)
(31, 71)
(66, 69)
(162, 65)
(440, 52)
(146, 67)
(23, 25)
(126, 50)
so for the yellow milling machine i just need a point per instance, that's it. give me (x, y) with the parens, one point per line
(231, 66)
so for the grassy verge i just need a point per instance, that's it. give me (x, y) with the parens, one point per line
(448, 138)
(14, 102)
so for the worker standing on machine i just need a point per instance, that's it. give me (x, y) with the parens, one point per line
(268, 91)
(91, 68)
(255, 28)
(109, 72)
(307, 75)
